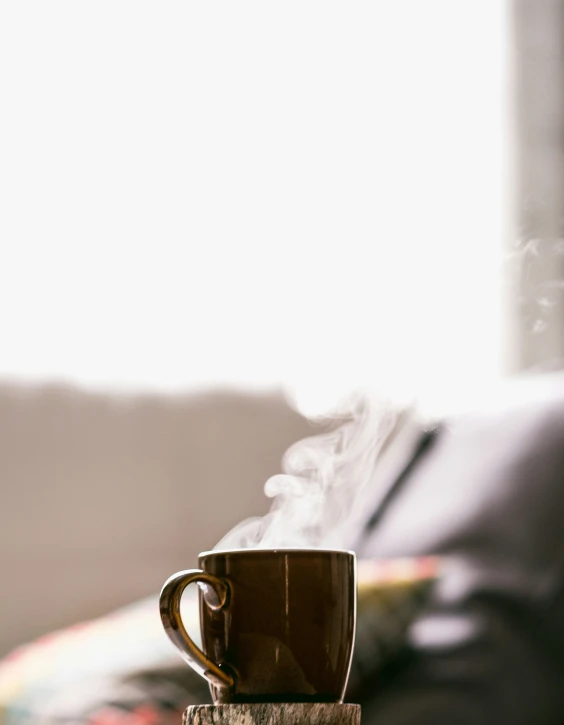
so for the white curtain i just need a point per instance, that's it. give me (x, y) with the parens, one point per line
(535, 273)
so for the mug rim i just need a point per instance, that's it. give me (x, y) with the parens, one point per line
(277, 550)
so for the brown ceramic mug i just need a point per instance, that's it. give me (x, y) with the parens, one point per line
(277, 625)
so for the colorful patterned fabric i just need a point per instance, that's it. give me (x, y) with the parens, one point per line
(122, 669)
(390, 594)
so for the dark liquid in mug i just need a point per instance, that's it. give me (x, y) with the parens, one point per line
(287, 631)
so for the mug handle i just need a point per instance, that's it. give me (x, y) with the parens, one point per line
(169, 606)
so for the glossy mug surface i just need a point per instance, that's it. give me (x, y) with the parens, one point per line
(277, 625)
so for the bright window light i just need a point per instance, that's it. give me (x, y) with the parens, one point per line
(306, 193)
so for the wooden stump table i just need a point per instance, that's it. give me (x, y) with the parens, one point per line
(290, 713)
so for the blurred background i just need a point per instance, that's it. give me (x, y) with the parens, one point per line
(217, 218)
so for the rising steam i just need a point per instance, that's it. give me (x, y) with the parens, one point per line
(315, 496)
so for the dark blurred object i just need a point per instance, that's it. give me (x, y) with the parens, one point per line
(487, 497)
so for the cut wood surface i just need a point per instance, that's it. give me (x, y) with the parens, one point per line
(291, 713)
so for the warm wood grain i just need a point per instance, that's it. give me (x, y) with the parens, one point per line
(293, 713)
